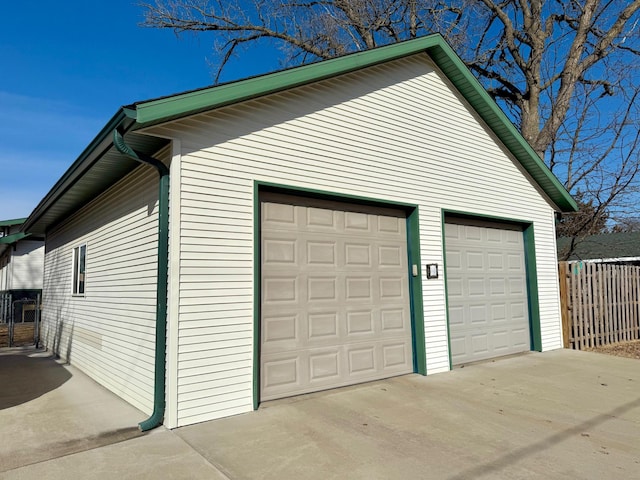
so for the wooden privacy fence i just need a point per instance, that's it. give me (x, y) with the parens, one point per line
(600, 303)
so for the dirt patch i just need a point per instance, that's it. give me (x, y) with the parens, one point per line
(622, 349)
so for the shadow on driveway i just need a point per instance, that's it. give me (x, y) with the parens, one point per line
(25, 377)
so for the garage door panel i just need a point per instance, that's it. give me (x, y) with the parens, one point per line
(347, 292)
(487, 294)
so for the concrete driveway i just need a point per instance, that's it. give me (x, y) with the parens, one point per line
(560, 414)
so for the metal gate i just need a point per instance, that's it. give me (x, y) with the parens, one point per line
(19, 320)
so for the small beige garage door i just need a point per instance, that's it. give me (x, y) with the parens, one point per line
(487, 292)
(335, 296)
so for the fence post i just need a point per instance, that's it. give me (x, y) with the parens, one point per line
(564, 304)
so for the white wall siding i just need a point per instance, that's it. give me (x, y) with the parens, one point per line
(27, 265)
(109, 333)
(393, 132)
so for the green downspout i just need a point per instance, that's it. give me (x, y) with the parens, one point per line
(159, 389)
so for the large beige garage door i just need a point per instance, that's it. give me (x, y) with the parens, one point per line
(487, 292)
(335, 296)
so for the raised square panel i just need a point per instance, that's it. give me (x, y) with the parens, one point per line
(498, 312)
(515, 262)
(480, 343)
(513, 237)
(281, 372)
(478, 313)
(494, 235)
(473, 233)
(321, 253)
(496, 261)
(458, 345)
(394, 355)
(500, 340)
(279, 289)
(356, 221)
(359, 322)
(322, 325)
(454, 287)
(278, 213)
(476, 287)
(474, 260)
(392, 319)
(454, 260)
(362, 360)
(389, 256)
(390, 224)
(452, 231)
(358, 254)
(279, 328)
(516, 286)
(321, 289)
(320, 217)
(358, 288)
(279, 251)
(520, 338)
(456, 315)
(323, 366)
(517, 310)
(497, 286)
(390, 288)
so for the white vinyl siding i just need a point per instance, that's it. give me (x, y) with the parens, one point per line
(109, 333)
(394, 132)
(28, 265)
(23, 266)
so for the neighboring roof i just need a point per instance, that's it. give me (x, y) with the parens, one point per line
(100, 165)
(607, 246)
(11, 223)
(10, 239)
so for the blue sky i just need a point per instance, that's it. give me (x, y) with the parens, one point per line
(66, 69)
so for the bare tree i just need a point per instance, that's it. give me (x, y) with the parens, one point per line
(564, 71)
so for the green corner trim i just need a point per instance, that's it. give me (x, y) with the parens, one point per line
(413, 252)
(257, 294)
(530, 267)
(532, 288)
(443, 213)
(415, 294)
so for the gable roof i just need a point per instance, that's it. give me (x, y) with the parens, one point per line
(100, 165)
(606, 246)
(7, 240)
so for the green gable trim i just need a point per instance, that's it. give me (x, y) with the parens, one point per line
(11, 223)
(188, 103)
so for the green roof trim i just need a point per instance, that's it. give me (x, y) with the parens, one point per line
(169, 108)
(100, 164)
(9, 239)
(11, 223)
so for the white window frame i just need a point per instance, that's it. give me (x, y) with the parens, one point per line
(79, 272)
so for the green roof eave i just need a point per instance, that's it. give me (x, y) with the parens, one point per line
(9, 239)
(11, 223)
(177, 106)
(469, 86)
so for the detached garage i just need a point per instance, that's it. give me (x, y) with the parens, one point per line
(336, 223)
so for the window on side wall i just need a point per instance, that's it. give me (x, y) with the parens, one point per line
(79, 266)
